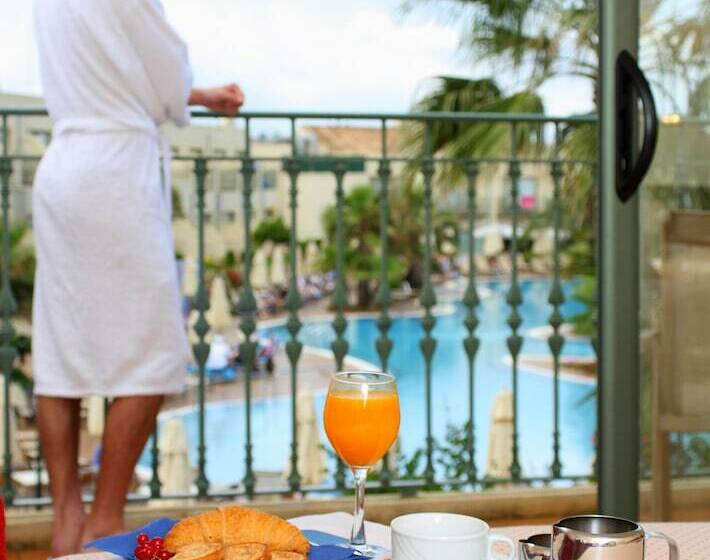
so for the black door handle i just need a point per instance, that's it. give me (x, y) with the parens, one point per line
(631, 82)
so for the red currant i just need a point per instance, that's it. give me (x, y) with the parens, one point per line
(157, 543)
(165, 555)
(143, 539)
(144, 553)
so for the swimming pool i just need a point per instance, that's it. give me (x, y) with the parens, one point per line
(271, 418)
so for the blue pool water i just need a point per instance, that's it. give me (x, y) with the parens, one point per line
(271, 417)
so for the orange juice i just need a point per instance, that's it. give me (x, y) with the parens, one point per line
(361, 424)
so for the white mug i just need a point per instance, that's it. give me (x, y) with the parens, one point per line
(440, 536)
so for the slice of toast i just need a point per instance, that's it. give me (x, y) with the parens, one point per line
(200, 551)
(249, 551)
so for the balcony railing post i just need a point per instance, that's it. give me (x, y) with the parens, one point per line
(556, 299)
(246, 307)
(8, 308)
(201, 348)
(514, 297)
(340, 344)
(428, 301)
(155, 484)
(38, 473)
(596, 246)
(471, 300)
(293, 303)
(383, 345)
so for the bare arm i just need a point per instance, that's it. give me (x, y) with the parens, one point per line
(224, 99)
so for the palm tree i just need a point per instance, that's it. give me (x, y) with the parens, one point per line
(360, 232)
(361, 211)
(537, 40)
(269, 233)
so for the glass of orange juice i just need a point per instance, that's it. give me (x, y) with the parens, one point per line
(361, 418)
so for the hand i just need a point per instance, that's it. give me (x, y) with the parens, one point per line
(224, 99)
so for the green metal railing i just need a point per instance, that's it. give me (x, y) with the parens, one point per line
(294, 164)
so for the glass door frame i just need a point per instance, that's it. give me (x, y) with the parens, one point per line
(618, 285)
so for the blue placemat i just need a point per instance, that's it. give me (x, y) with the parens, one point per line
(325, 546)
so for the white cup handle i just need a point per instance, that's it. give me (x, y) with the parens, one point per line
(494, 538)
(672, 546)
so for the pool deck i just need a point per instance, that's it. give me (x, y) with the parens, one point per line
(315, 368)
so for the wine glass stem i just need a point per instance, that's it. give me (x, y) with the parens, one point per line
(358, 535)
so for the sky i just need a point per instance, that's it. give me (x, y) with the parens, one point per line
(311, 55)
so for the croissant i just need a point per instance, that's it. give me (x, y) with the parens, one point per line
(185, 532)
(212, 527)
(237, 526)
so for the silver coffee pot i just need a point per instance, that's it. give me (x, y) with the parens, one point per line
(537, 547)
(593, 537)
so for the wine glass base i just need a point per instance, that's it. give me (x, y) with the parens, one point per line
(366, 550)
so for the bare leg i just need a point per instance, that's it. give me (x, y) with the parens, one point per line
(58, 421)
(129, 423)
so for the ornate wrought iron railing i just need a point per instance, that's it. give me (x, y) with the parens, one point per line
(426, 163)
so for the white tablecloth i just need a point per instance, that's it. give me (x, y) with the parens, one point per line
(693, 538)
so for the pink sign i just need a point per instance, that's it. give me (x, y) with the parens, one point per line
(527, 202)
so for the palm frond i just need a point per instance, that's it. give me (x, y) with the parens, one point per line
(463, 141)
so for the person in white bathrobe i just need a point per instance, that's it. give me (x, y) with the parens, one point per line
(107, 307)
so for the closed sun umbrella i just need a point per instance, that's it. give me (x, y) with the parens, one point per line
(493, 244)
(312, 258)
(278, 267)
(259, 272)
(174, 469)
(500, 439)
(95, 416)
(219, 315)
(189, 279)
(192, 321)
(311, 453)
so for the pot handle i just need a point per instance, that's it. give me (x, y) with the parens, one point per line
(672, 546)
(493, 538)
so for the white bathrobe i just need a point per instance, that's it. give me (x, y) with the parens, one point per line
(107, 307)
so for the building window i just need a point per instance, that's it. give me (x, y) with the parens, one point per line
(268, 180)
(42, 136)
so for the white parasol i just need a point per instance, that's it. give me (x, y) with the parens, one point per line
(95, 415)
(493, 244)
(259, 272)
(311, 453)
(219, 315)
(279, 275)
(174, 469)
(500, 439)
(189, 276)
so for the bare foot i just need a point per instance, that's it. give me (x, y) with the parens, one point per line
(67, 529)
